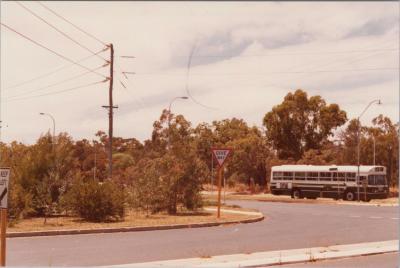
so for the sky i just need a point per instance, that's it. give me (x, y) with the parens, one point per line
(232, 59)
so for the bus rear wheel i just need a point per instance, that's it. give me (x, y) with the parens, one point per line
(349, 196)
(296, 194)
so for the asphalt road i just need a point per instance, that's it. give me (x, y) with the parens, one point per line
(287, 226)
(387, 260)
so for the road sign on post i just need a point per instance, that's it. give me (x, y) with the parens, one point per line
(220, 154)
(4, 178)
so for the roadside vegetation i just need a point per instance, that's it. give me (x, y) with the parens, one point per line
(166, 173)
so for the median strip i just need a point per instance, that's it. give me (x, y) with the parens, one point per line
(253, 217)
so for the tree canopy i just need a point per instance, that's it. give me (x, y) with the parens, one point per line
(300, 123)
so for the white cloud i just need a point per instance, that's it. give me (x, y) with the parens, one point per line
(246, 59)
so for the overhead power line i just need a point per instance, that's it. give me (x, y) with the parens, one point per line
(189, 64)
(69, 22)
(59, 31)
(57, 83)
(295, 53)
(56, 92)
(283, 72)
(52, 51)
(51, 72)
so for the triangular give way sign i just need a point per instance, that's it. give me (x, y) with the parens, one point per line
(221, 155)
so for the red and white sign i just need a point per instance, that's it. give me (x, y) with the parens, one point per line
(221, 155)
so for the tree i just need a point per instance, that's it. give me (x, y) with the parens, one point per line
(300, 123)
(172, 164)
(248, 160)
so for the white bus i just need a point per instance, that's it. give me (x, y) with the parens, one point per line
(336, 182)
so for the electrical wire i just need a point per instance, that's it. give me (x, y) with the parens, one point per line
(69, 22)
(56, 92)
(57, 83)
(278, 72)
(137, 99)
(187, 80)
(48, 49)
(58, 30)
(51, 72)
(294, 53)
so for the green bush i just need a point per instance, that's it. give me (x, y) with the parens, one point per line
(95, 201)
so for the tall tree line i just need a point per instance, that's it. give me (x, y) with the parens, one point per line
(166, 172)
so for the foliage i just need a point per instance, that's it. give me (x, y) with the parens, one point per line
(167, 171)
(300, 123)
(96, 201)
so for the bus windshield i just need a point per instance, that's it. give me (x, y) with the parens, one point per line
(376, 180)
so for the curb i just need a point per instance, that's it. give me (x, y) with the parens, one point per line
(279, 257)
(131, 229)
(323, 202)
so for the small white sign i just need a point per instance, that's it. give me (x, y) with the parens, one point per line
(221, 155)
(4, 178)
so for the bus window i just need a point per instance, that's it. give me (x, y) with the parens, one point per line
(350, 176)
(334, 176)
(371, 180)
(312, 176)
(341, 176)
(278, 176)
(325, 176)
(362, 180)
(301, 176)
(288, 175)
(380, 180)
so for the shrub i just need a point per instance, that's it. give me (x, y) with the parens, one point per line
(95, 201)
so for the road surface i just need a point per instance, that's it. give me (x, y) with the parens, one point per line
(286, 226)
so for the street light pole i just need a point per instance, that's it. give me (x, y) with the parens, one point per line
(358, 145)
(374, 149)
(54, 127)
(169, 114)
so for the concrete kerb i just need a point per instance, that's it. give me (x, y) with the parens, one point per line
(272, 258)
(306, 201)
(259, 217)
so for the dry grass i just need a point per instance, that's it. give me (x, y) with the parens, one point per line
(132, 219)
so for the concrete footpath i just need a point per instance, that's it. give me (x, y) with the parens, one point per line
(270, 258)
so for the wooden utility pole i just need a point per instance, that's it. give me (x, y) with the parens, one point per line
(3, 236)
(110, 116)
(110, 108)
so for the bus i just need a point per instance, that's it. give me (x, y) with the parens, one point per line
(338, 182)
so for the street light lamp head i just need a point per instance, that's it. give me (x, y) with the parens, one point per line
(184, 98)
(41, 113)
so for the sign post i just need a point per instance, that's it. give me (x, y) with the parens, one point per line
(4, 178)
(220, 155)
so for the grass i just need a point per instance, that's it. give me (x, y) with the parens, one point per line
(132, 219)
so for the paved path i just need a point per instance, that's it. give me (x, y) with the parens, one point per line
(388, 260)
(287, 226)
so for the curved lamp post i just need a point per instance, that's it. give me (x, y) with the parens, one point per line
(54, 126)
(358, 145)
(169, 113)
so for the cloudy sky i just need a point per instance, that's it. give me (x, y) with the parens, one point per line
(245, 58)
